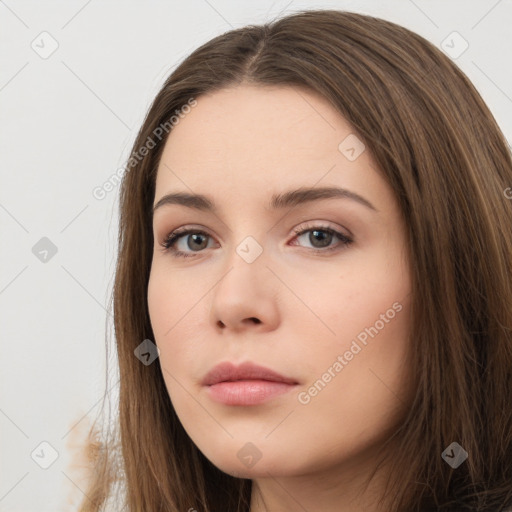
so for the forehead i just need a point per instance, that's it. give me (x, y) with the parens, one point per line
(241, 121)
(251, 141)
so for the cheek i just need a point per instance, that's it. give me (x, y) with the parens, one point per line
(368, 308)
(159, 301)
(353, 299)
(373, 327)
(353, 403)
(176, 315)
(168, 300)
(164, 312)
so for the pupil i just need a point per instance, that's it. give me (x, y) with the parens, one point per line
(320, 235)
(195, 236)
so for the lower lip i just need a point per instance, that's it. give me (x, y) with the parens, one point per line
(247, 392)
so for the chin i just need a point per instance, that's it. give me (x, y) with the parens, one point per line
(237, 467)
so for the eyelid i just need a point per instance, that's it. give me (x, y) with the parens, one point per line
(321, 224)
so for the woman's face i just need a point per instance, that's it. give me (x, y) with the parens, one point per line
(270, 284)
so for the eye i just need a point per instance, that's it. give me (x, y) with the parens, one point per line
(196, 241)
(321, 238)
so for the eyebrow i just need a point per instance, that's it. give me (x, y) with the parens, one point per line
(278, 201)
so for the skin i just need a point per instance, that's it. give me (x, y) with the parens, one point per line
(240, 145)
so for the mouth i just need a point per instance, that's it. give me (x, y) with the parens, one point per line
(247, 384)
(247, 392)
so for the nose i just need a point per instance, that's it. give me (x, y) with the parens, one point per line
(246, 297)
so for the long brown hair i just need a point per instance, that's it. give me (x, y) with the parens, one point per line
(440, 149)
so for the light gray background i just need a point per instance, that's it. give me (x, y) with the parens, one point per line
(67, 124)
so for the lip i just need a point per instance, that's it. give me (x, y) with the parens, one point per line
(246, 384)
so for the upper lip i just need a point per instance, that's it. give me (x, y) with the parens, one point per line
(225, 372)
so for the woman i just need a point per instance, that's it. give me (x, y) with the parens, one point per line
(313, 296)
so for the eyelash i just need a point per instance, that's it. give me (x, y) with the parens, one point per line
(171, 239)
